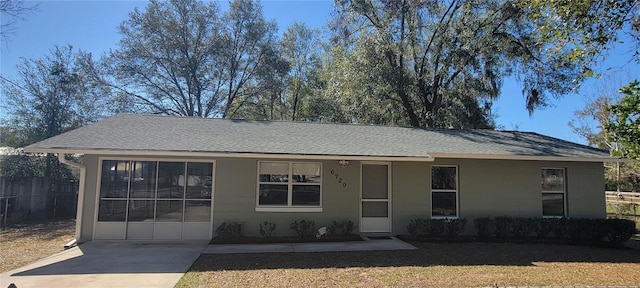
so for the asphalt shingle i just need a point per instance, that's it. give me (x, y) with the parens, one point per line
(149, 133)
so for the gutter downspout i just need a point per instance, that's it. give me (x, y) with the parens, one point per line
(80, 208)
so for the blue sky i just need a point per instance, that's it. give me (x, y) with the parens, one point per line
(92, 26)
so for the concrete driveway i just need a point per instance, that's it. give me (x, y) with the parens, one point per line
(110, 264)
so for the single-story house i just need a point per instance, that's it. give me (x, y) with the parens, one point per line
(168, 177)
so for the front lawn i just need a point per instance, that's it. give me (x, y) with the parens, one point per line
(433, 265)
(26, 243)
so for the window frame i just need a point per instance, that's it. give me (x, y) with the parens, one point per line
(552, 192)
(455, 191)
(289, 207)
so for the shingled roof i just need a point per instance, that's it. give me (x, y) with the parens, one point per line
(135, 134)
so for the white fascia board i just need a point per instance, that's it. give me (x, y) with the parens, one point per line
(426, 158)
(526, 157)
(430, 157)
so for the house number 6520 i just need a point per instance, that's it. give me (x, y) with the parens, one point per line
(340, 180)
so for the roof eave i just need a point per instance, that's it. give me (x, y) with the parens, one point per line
(427, 158)
(528, 157)
(254, 155)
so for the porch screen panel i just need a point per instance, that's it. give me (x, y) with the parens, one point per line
(169, 210)
(114, 187)
(199, 191)
(114, 182)
(143, 180)
(156, 192)
(171, 180)
(142, 191)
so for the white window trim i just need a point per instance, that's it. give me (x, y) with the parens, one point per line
(563, 192)
(289, 207)
(456, 191)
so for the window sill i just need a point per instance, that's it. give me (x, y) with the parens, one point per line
(444, 217)
(288, 209)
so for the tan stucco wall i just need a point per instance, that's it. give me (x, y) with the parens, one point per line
(496, 188)
(486, 188)
(586, 190)
(88, 213)
(235, 197)
(411, 198)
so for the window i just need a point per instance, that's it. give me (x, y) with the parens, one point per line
(146, 191)
(289, 184)
(553, 192)
(444, 191)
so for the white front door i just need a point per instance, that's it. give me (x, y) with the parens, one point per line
(375, 214)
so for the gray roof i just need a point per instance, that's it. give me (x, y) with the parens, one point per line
(148, 134)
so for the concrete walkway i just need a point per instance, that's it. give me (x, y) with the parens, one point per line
(109, 264)
(366, 245)
(153, 264)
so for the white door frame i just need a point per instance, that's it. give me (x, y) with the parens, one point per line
(378, 224)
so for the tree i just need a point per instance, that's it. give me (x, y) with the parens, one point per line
(182, 57)
(625, 127)
(12, 11)
(443, 62)
(584, 30)
(300, 49)
(166, 59)
(619, 176)
(249, 56)
(52, 95)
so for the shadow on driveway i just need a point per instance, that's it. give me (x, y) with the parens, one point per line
(110, 264)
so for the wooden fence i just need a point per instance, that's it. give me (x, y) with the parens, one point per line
(624, 205)
(37, 198)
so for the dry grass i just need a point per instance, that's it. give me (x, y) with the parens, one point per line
(30, 242)
(433, 265)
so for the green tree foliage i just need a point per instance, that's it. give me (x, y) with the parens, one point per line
(625, 127)
(590, 123)
(250, 56)
(52, 95)
(291, 87)
(17, 167)
(441, 63)
(183, 57)
(582, 30)
(300, 49)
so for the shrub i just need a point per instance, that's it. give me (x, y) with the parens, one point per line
(542, 227)
(455, 227)
(417, 226)
(521, 227)
(436, 227)
(342, 228)
(231, 230)
(597, 231)
(559, 227)
(577, 228)
(619, 230)
(267, 229)
(616, 231)
(304, 228)
(484, 226)
(502, 226)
